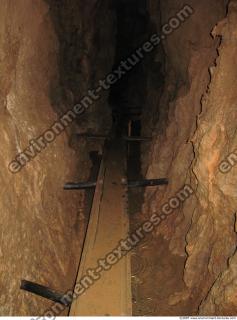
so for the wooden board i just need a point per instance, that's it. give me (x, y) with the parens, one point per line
(111, 294)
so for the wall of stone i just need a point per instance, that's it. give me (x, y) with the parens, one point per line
(42, 226)
(194, 133)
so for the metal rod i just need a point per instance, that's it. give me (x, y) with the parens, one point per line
(134, 138)
(44, 292)
(147, 183)
(91, 136)
(79, 185)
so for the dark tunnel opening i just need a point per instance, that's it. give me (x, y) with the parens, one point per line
(127, 97)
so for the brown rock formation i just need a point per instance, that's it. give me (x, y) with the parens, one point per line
(42, 226)
(192, 137)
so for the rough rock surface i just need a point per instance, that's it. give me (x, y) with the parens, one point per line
(86, 32)
(194, 134)
(42, 226)
(216, 121)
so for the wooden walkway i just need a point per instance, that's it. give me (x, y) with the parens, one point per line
(111, 294)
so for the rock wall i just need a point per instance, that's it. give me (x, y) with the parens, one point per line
(86, 31)
(42, 226)
(155, 69)
(194, 133)
(217, 210)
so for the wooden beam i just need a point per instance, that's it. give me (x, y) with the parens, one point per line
(111, 294)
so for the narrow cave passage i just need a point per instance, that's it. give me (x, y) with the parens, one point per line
(128, 99)
(98, 99)
(127, 95)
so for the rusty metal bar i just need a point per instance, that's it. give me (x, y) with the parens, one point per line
(91, 136)
(44, 292)
(136, 139)
(146, 183)
(80, 185)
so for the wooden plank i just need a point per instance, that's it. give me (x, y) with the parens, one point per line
(111, 295)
